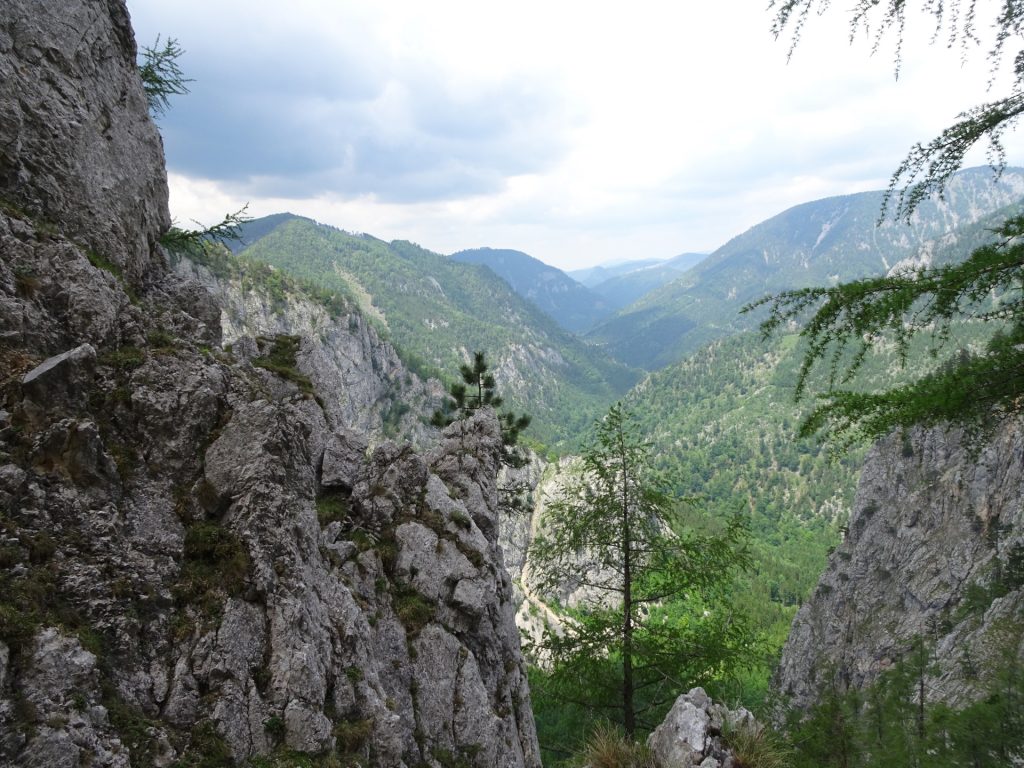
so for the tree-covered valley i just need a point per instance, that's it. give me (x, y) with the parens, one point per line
(276, 494)
(721, 419)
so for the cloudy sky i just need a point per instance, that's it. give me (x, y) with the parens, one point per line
(579, 132)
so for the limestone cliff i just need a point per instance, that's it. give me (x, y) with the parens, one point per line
(366, 386)
(198, 563)
(934, 551)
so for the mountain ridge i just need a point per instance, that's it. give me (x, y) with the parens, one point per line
(815, 243)
(438, 310)
(572, 305)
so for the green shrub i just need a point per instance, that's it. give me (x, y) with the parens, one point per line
(123, 359)
(161, 340)
(275, 728)
(332, 507)
(281, 359)
(216, 562)
(412, 609)
(351, 736)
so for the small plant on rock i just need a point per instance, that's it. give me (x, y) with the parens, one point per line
(607, 747)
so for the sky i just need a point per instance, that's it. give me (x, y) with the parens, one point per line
(578, 132)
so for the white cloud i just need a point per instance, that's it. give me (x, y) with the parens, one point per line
(577, 132)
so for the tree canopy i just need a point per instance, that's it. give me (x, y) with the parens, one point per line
(161, 75)
(645, 622)
(842, 324)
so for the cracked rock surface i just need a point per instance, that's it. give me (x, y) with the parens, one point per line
(200, 557)
(932, 522)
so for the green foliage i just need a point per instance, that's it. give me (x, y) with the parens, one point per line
(281, 359)
(651, 620)
(258, 276)
(895, 723)
(756, 747)
(332, 507)
(607, 747)
(721, 426)
(412, 609)
(434, 309)
(929, 167)
(352, 736)
(479, 390)
(216, 564)
(161, 76)
(30, 598)
(194, 242)
(848, 321)
(102, 262)
(275, 727)
(123, 359)
(206, 749)
(134, 729)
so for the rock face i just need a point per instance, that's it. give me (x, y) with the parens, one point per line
(199, 559)
(934, 552)
(368, 388)
(692, 733)
(79, 150)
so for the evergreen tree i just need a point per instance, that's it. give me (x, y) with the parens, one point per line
(841, 324)
(959, 24)
(161, 75)
(478, 389)
(647, 623)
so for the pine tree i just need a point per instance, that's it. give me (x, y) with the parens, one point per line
(842, 324)
(478, 389)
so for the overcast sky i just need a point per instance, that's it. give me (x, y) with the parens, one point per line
(579, 132)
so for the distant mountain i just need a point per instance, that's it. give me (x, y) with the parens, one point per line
(623, 289)
(591, 276)
(817, 243)
(573, 306)
(253, 230)
(437, 311)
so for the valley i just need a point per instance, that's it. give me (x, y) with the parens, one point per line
(267, 501)
(718, 411)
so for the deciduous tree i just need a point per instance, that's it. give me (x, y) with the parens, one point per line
(646, 621)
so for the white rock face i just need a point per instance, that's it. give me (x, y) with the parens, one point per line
(929, 520)
(361, 375)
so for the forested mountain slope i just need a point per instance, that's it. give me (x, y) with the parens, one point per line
(437, 311)
(623, 289)
(575, 307)
(817, 243)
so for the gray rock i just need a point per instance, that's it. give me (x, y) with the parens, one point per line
(170, 494)
(344, 456)
(60, 384)
(691, 733)
(78, 148)
(5, 660)
(929, 520)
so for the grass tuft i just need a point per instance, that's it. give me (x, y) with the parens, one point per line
(608, 747)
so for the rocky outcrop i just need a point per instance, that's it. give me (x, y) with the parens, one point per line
(368, 388)
(197, 559)
(934, 553)
(696, 732)
(79, 151)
